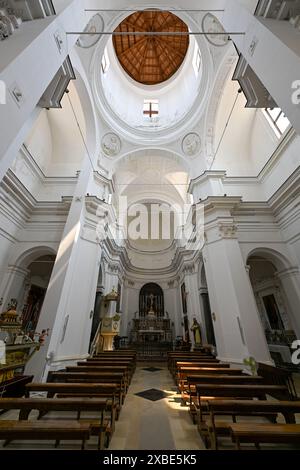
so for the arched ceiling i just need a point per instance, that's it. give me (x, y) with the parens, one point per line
(151, 59)
(152, 174)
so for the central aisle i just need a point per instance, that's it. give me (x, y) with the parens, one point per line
(154, 425)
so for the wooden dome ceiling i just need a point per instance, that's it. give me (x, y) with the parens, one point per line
(151, 59)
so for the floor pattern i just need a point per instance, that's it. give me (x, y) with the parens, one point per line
(162, 424)
(153, 394)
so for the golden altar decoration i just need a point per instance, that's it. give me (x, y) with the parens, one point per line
(16, 348)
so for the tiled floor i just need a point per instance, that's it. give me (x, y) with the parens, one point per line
(144, 424)
(159, 425)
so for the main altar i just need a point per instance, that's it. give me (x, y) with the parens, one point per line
(151, 330)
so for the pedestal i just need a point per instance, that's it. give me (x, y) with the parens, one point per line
(108, 341)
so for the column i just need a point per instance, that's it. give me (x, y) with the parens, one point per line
(237, 325)
(271, 47)
(70, 297)
(194, 309)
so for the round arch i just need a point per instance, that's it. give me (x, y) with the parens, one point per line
(275, 282)
(26, 257)
(151, 299)
(278, 259)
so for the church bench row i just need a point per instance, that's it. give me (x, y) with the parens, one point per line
(190, 358)
(105, 411)
(277, 376)
(45, 405)
(107, 360)
(201, 363)
(241, 408)
(189, 389)
(100, 390)
(239, 390)
(101, 369)
(93, 377)
(186, 357)
(233, 387)
(182, 371)
(92, 364)
(193, 363)
(233, 392)
(260, 433)
(38, 430)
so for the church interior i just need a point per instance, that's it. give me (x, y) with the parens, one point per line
(149, 225)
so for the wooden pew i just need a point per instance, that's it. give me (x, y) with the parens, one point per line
(189, 390)
(105, 377)
(110, 391)
(96, 365)
(212, 391)
(99, 368)
(45, 430)
(193, 363)
(259, 433)
(277, 376)
(182, 371)
(179, 357)
(258, 391)
(103, 427)
(173, 359)
(253, 408)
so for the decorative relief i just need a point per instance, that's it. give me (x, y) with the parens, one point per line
(113, 268)
(191, 144)
(228, 231)
(189, 268)
(211, 24)
(96, 24)
(111, 144)
(171, 284)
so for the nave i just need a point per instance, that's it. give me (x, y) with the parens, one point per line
(192, 402)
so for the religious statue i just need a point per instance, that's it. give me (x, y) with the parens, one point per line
(151, 311)
(196, 329)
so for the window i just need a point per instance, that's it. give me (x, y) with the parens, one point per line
(105, 62)
(151, 108)
(197, 60)
(277, 119)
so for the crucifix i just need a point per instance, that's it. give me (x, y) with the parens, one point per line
(150, 112)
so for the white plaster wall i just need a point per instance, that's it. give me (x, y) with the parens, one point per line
(39, 141)
(248, 141)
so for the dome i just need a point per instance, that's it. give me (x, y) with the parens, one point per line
(148, 59)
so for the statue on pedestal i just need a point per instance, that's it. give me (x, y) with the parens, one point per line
(151, 312)
(196, 329)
